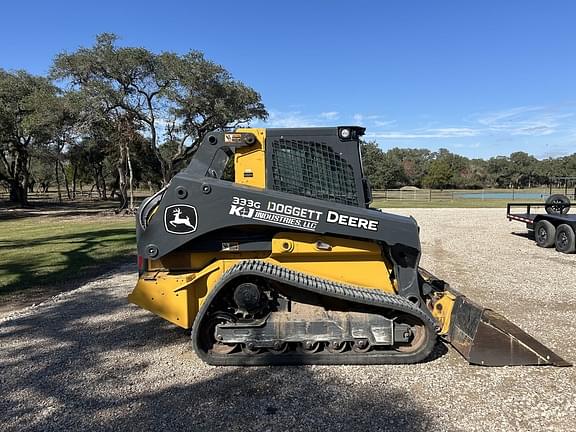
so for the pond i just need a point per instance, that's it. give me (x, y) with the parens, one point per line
(502, 195)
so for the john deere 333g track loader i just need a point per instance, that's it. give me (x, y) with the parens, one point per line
(265, 246)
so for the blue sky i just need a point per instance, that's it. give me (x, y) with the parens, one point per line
(481, 79)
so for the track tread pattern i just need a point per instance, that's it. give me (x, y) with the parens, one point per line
(317, 285)
(324, 287)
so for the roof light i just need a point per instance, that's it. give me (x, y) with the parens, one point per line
(345, 133)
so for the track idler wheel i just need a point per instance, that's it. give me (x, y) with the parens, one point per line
(209, 332)
(419, 336)
(279, 348)
(309, 347)
(250, 349)
(361, 346)
(336, 346)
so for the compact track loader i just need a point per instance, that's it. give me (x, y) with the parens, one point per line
(265, 246)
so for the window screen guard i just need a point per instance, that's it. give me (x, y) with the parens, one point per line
(312, 169)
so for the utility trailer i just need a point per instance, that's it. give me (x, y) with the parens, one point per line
(554, 228)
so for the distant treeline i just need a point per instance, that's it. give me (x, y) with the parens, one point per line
(442, 169)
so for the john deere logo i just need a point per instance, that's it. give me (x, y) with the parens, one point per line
(180, 219)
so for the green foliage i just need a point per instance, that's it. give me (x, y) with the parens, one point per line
(441, 174)
(446, 170)
(382, 169)
(414, 163)
(442, 169)
(28, 106)
(124, 115)
(174, 99)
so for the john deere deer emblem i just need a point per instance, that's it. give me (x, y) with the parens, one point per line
(180, 219)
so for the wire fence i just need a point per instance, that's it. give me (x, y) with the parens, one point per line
(51, 197)
(475, 194)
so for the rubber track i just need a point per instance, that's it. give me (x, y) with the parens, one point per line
(354, 294)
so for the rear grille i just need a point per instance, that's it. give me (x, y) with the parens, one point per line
(312, 169)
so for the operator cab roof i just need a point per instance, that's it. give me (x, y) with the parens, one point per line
(356, 131)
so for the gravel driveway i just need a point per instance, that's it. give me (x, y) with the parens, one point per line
(88, 360)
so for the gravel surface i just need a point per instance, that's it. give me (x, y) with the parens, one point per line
(88, 360)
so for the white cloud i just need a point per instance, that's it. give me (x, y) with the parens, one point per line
(496, 116)
(473, 132)
(384, 123)
(451, 132)
(358, 118)
(330, 115)
(292, 119)
(556, 150)
(474, 145)
(531, 121)
(372, 120)
(524, 120)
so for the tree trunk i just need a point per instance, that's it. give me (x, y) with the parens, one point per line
(122, 188)
(18, 194)
(74, 177)
(66, 185)
(102, 183)
(130, 178)
(18, 171)
(58, 182)
(97, 184)
(122, 177)
(166, 177)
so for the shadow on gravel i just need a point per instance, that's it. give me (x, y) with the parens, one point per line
(527, 234)
(93, 362)
(283, 399)
(440, 350)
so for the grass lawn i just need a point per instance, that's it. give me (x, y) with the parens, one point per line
(55, 250)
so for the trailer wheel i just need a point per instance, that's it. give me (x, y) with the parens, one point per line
(544, 234)
(557, 204)
(565, 239)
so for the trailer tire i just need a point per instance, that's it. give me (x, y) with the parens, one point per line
(557, 204)
(544, 234)
(565, 239)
